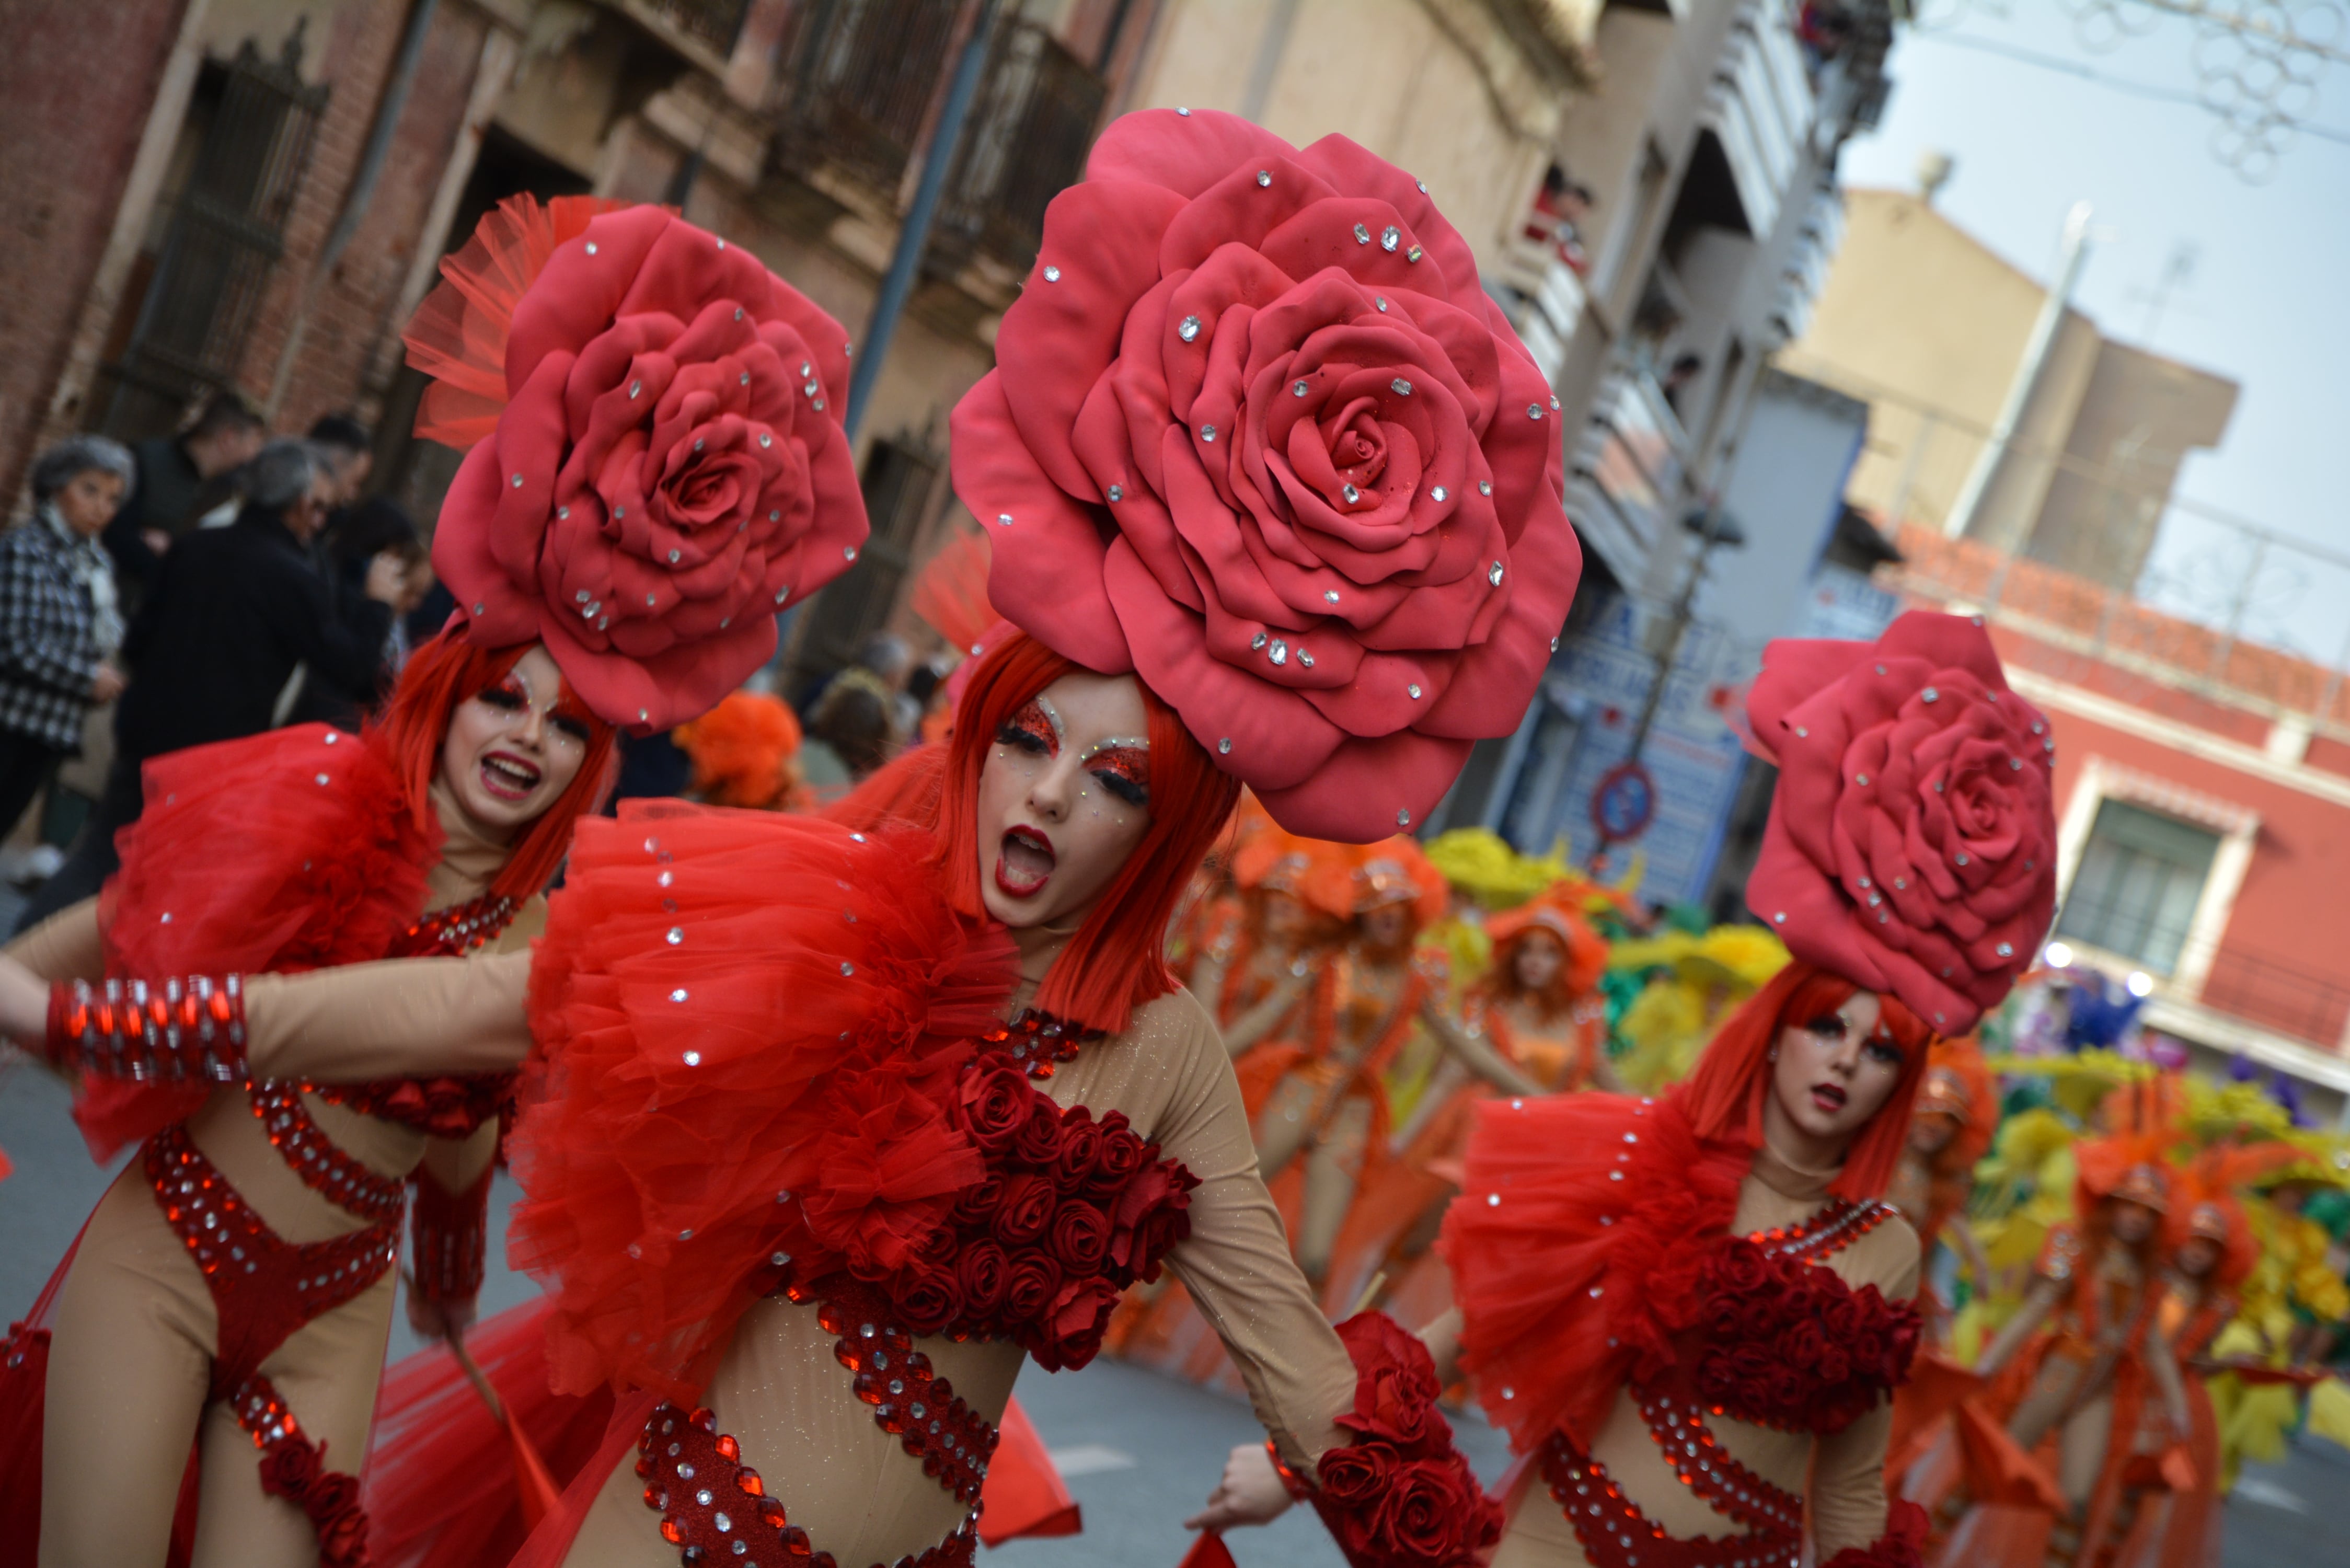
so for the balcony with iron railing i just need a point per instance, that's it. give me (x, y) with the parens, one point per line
(857, 82)
(1027, 140)
(1628, 473)
(704, 29)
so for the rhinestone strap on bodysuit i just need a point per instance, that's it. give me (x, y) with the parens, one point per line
(1611, 1527)
(716, 1509)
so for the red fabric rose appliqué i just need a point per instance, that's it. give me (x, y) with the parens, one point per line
(1789, 1344)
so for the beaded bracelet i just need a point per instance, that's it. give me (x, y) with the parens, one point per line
(1298, 1486)
(186, 1031)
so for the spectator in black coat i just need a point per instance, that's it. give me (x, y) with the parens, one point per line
(238, 614)
(175, 474)
(59, 627)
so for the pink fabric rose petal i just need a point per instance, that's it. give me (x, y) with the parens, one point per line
(1328, 546)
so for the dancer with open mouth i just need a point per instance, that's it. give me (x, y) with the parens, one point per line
(232, 1294)
(824, 1129)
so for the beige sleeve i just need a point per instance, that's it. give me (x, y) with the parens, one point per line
(1848, 1504)
(1236, 1262)
(66, 946)
(393, 1019)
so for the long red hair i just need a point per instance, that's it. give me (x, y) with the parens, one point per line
(411, 729)
(1117, 960)
(1723, 1097)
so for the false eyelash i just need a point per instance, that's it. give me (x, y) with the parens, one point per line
(507, 693)
(1032, 726)
(1125, 771)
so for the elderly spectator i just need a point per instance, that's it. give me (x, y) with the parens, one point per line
(178, 478)
(237, 612)
(58, 624)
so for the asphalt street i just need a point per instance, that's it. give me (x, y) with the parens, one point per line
(1139, 1451)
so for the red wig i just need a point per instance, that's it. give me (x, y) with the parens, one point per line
(410, 730)
(1723, 1097)
(1117, 960)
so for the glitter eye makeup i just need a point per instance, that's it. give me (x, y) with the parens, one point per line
(1035, 729)
(1123, 767)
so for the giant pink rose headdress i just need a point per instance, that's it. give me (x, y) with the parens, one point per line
(657, 462)
(1912, 843)
(1257, 434)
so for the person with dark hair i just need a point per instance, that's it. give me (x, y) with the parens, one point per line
(59, 625)
(234, 612)
(224, 436)
(850, 733)
(349, 453)
(346, 553)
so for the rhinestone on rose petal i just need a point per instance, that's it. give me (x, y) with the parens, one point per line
(1207, 433)
(1493, 574)
(694, 1058)
(517, 482)
(1390, 237)
(1414, 689)
(1436, 493)
(1414, 254)
(591, 247)
(1224, 747)
(1280, 654)
(1189, 329)
(676, 935)
(848, 552)
(1533, 410)
(1330, 595)
(1401, 388)
(1265, 177)
(1362, 234)
(1051, 274)
(1352, 494)
(1298, 389)
(1185, 112)
(1403, 819)
(1381, 301)
(1115, 493)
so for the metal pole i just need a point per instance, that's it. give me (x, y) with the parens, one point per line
(2027, 373)
(914, 234)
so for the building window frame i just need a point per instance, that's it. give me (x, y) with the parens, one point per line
(2237, 827)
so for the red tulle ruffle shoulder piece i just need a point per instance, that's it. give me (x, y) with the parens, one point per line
(457, 335)
(1575, 1249)
(705, 977)
(292, 850)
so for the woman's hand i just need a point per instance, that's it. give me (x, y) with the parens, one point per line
(24, 1005)
(438, 1320)
(1250, 1493)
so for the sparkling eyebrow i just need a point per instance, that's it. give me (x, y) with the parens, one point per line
(1052, 717)
(1112, 743)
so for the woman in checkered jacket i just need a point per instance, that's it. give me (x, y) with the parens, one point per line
(59, 623)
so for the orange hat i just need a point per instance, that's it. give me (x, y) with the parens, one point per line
(1350, 879)
(740, 750)
(1557, 910)
(1959, 1084)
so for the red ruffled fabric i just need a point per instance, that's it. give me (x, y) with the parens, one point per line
(1794, 1346)
(1400, 1495)
(711, 975)
(1561, 1196)
(1903, 1544)
(243, 844)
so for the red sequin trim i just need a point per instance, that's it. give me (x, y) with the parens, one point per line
(1825, 1234)
(312, 1156)
(715, 1509)
(459, 929)
(1707, 1469)
(1038, 1041)
(1615, 1534)
(449, 1237)
(294, 1468)
(181, 1031)
(224, 1236)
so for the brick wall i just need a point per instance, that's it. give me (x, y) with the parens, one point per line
(75, 84)
(356, 305)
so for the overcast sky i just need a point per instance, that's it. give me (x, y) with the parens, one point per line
(2267, 304)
